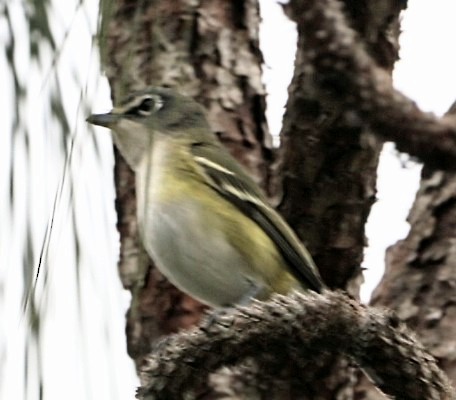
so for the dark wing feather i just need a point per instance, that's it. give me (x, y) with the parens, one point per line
(226, 177)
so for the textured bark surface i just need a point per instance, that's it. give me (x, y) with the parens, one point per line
(341, 95)
(330, 157)
(276, 333)
(351, 78)
(420, 280)
(205, 49)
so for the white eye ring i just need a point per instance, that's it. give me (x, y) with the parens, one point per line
(149, 104)
(158, 103)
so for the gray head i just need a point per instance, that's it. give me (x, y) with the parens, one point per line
(159, 108)
(145, 114)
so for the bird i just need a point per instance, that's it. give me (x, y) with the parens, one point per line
(203, 220)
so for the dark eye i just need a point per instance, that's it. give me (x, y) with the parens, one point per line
(146, 107)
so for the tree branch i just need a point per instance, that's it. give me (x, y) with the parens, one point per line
(293, 328)
(346, 73)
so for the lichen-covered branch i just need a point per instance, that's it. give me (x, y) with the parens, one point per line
(288, 329)
(348, 75)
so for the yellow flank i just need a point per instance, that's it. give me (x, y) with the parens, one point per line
(188, 191)
(170, 163)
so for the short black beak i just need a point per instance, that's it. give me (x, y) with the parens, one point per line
(106, 120)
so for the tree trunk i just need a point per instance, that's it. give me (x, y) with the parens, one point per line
(325, 183)
(330, 158)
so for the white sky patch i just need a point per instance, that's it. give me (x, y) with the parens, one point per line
(82, 344)
(425, 73)
(278, 38)
(426, 70)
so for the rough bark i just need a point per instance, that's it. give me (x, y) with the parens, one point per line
(348, 76)
(341, 94)
(330, 155)
(330, 160)
(420, 274)
(277, 335)
(420, 277)
(205, 49)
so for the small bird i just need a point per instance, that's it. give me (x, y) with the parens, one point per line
(202, 219)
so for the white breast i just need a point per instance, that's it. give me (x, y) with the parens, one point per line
(196, 258)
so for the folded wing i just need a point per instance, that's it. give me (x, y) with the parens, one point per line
(226, 177)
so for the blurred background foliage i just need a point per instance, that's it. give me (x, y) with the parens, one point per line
(55, 182)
